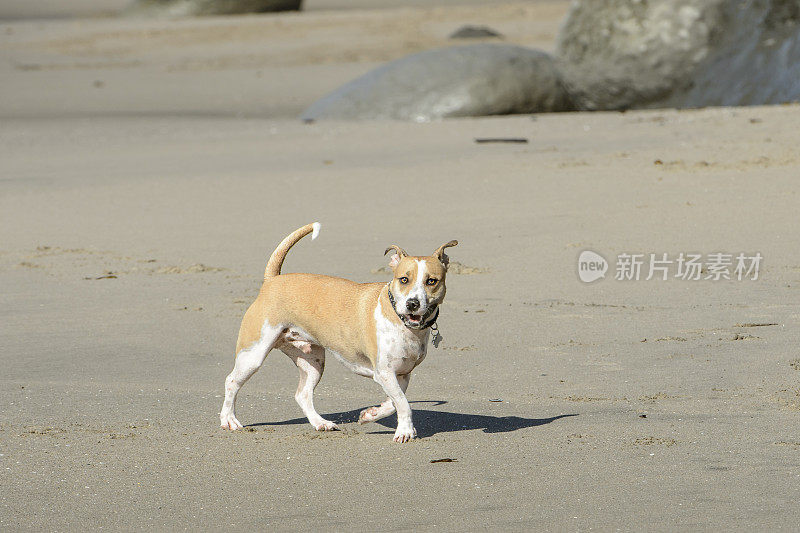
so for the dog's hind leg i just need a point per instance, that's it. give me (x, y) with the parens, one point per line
(311, 366)
(385, 409)
(248, 361)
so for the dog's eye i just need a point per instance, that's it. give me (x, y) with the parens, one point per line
(432, 281)
(404, 280)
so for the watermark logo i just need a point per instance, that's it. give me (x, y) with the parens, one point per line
(684, 266)
(591, 266)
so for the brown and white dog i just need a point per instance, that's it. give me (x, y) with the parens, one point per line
(378, 330)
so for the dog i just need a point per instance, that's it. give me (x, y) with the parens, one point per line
(377, 330)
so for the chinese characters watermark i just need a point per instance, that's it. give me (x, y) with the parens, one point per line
(684, 266)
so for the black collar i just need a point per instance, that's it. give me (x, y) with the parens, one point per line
(426, 320)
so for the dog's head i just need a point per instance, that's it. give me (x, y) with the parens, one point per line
(418, 287)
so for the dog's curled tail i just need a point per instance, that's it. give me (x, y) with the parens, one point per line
(276, 259)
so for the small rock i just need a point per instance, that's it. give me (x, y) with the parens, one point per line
(475, 32)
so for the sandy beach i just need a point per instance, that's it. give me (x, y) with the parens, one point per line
(148, 169)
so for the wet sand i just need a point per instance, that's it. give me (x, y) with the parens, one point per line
(149, 168)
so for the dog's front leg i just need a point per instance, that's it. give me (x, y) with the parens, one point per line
(389, 381)
(373, 414)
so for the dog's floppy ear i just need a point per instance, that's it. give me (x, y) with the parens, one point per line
(398, 254)
(441, 256)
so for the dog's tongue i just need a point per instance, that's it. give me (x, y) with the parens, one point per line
(414, 318)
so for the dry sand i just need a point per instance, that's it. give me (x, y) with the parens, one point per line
(148, 169)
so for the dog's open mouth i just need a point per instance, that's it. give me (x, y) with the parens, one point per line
(419, 321)
(414, 319)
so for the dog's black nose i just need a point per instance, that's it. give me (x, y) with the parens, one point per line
(412, 304)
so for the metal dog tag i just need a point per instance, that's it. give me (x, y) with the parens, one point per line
(437, 337)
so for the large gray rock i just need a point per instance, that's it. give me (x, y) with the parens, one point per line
(756, 62)
(460, 81)
(188, 8)
(618, 54)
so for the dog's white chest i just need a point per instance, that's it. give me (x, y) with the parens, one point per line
(400, 349)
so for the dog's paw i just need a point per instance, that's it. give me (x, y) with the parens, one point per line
(368, 415)
(405, 434)
(229, 422)
(326, 425)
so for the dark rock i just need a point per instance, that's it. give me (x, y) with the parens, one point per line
(460, 81)
(475, 32)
